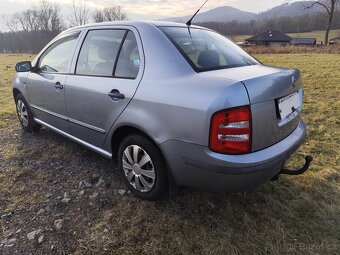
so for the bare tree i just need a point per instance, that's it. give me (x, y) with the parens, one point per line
(15, 23)
(45, 17)
(330, 6)
(115, 13)
(80, 13)
(98, 16)
(44, 12)
(26, 21)
(56, 23)
(33, 28)
(30, 20)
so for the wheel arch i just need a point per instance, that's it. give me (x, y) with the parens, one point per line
(123, 131)
(16, 92)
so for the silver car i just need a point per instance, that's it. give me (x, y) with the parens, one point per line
(172, 105)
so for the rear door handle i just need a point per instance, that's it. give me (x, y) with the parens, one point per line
(58, 85)
(116, 95)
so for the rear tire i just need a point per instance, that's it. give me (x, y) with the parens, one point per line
(142, 167)
(25, 115)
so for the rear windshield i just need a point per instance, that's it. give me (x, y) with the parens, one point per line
(206, 50)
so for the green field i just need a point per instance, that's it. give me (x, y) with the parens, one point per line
(319, 35)
(294, 215)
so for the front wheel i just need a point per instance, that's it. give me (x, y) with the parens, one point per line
(142, 167)
(25, 115)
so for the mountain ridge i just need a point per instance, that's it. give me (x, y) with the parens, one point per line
(228, 13)
(218, 13)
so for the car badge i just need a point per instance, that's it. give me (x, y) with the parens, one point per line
(293, 81)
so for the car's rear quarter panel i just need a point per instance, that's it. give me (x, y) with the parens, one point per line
(180, 109)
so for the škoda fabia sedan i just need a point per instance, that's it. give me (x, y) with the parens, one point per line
(171, 105)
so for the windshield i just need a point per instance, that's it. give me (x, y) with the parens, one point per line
(206, 50)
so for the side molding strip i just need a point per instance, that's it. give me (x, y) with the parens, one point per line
(87, 125)
(49, 112)
(86, 144)
(69, 119)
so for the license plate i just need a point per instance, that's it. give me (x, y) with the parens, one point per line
(289, 104)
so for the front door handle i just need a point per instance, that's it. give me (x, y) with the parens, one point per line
(58, 85)
(116, 95)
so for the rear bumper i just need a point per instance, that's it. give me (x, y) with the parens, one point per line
(196, 166)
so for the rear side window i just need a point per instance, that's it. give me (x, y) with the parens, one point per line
(99, 52)
(57, 57)
(207, 50)
(129, 59)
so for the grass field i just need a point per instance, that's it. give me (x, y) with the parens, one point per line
(294, 215)
(319, 35)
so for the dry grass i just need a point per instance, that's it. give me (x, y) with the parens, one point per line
(319, 35)
(295, 215)
(293, 49)
(7, 63)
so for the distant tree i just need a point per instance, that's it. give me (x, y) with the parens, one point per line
(49, 16)
(30, 20)
(27, 20)
(56, 18)
(109, 14)
(330, 7)
(80, 13)
(98, 16)
(45, 17)
(44, 12)
(33, 28)
(16, 22)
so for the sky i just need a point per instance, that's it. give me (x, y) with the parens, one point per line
(145, 9)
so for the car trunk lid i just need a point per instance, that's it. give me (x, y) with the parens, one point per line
(275, 96)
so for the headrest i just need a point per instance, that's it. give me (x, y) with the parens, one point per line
(208, 58)
(108, 50)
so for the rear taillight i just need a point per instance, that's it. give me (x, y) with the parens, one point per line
(230, 131)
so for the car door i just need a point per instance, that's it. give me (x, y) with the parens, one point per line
(106, 75)
(46, 85)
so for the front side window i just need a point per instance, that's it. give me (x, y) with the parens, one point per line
(99, 52)
(57, 57)
(206, 50)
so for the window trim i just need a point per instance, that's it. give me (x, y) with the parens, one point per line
(127, 30)
(118, 53)
(116, 63)
(53, 42)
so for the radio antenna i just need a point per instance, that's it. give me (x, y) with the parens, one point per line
(189, 22)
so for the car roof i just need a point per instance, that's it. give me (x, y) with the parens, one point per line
(135, 23)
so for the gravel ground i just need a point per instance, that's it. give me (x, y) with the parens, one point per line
(66, 189)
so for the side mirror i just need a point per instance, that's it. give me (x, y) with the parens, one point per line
(24, 66)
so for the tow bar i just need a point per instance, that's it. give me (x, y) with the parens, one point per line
(308, 160)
